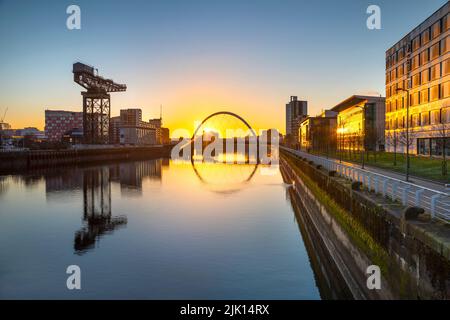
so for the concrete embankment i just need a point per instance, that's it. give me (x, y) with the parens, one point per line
(13, 162)
(364, 228)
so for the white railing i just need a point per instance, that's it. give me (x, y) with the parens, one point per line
(435, 202)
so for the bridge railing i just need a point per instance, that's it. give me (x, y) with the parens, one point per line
(435, 202)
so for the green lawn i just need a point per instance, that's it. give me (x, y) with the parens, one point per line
(424, 167)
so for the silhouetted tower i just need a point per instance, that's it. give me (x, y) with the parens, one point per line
(96, 102)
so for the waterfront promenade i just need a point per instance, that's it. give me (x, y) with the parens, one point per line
(433, 197)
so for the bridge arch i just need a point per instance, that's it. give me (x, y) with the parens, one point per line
(227, 113)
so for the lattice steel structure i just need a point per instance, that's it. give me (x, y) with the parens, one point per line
(96, 102)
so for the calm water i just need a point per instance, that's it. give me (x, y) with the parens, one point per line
(152, 229)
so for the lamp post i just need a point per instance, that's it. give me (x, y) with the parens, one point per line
(363, 144)
(407, 130)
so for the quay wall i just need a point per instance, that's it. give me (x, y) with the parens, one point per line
(413, 254)
(13, 162)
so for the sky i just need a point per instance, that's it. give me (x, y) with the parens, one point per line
(197, 57)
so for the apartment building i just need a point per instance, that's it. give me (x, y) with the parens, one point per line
(58, 122)
(418, 88)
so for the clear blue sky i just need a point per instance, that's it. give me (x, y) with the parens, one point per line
(196, 57)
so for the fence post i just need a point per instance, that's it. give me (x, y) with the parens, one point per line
(418, 196)
(405, 195)
(375, 181)
(433, 204)
(385, 185)
(394, 189)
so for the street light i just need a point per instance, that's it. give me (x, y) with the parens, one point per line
(363, 153)
(407, 130)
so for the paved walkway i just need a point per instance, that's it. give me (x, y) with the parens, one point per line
(438, 186)
(434, 197)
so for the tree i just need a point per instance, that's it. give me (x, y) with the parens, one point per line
(392, 141)
(407, 141)
(442, 131)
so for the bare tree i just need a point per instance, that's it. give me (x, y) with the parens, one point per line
(442, 131)
(392, 141)
(407, 141)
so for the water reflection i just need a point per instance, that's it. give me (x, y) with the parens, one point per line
(229, 172)
(97, 210)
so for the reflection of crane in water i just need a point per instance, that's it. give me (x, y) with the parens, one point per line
(97, 209)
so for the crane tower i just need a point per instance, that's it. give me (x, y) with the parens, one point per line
(96, 102)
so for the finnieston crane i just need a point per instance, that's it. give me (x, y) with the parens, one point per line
(96, 102)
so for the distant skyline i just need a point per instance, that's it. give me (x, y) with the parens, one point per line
(198, 57)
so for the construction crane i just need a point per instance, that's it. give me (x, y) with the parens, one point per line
(4, 115)
(96, 102)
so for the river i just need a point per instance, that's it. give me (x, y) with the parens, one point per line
(153, 229)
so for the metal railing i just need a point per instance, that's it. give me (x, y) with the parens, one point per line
(435, 202)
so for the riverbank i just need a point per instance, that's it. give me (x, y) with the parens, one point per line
(17, 162)
(413, 254)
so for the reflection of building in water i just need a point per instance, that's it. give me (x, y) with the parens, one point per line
(62, 183)
(130, 175)
(97, 209)
(3, 185)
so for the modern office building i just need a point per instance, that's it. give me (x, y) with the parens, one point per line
(361, 123)
(132, 130)
(58, 122)
(296, 111)
(418, 88)
(318, 134)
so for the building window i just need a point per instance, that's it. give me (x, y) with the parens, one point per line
(434, 93)
(435, 117)
(415, 62)
(446, 67)
(425, 36)
(445, 90)
(424, 97)
(424, 121)
(423, 146)
(416, 80)
(435, 29)
(434, 51)
(416, 43)
(435, 71)
(437, 146)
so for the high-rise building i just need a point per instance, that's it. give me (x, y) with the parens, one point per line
(296, 111)
(418, 88)
(58, 122)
